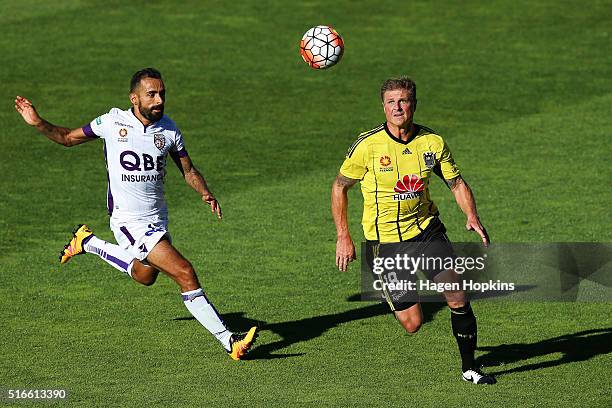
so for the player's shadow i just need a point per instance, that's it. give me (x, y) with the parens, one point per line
(297, 331)
(574, 347)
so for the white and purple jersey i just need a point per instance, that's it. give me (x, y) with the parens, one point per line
(136, 162)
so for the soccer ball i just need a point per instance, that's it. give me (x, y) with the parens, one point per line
(321, 47)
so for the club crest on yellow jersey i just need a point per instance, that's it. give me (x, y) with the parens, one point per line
(430, 159)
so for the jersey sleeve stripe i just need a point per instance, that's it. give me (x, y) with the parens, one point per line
(437, 169)
(89, 131)
(176, 156)
(361, 138)
(427, 129)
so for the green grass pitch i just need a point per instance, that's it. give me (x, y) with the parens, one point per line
(521, 91)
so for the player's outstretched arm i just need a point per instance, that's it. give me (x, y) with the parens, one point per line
(345, 249)
(196, 181)
(466, 201)
(61, 135)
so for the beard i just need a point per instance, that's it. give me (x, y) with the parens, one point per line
(150, 115)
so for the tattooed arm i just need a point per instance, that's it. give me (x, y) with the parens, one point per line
(345, 249)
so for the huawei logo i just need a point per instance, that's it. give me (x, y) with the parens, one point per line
(412, 183)
(385, 161)
(409, 187)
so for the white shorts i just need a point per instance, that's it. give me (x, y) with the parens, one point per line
(139, 237)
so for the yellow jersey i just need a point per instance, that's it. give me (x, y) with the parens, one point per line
(395, 177)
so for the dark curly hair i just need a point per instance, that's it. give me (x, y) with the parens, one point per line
(143, 73)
